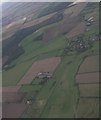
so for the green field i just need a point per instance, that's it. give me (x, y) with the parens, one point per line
(34, 50)
(89, 90)
(63, 91)
(88, 108)
(64, 94)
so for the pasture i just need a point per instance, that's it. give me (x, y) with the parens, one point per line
(92, 61)
(30, 88)
(89, 90)
(88, 108)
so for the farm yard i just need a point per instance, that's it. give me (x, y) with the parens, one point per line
(47, 65)
(57, 75)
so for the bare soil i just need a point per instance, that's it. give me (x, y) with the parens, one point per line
(13, 97)
(10, 89)
(79, 29)
(88, 78)
(13, 110)
(63, 28)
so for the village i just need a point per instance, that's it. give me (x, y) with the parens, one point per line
(79, 43)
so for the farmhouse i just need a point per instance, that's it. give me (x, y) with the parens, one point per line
(88, 23)
(43, 75)
(91, 19)
(28, 102)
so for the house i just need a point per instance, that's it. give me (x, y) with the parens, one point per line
(88, 23)
(91, 19)
(43, 75)
(28, 102)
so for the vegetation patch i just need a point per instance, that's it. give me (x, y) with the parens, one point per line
(92, 61)
(89, 90)
(88, 108)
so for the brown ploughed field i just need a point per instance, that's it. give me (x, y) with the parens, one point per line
(88, 78)
(79, 29)
(13, 110)
(13, 97)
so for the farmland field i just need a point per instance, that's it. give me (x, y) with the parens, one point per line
(79, 29)
(37, 21)
(57, 86)
(42, 65)
(58, 42)
(93, 62)
(10, 89)
(8, 109)
(88, 108)
(88, 78)
(89, 90)
(33, 51)
(13, 97)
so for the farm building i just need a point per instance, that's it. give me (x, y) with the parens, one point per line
(91, 19)
(43, 75)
